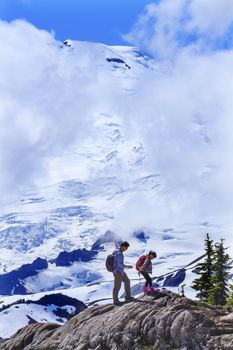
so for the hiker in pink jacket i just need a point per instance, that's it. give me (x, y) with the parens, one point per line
(144, 266)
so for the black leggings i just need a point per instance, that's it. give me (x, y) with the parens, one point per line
(147, 278)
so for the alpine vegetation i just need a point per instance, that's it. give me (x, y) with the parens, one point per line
(214, 271)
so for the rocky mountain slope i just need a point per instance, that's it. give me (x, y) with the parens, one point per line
(163, 321)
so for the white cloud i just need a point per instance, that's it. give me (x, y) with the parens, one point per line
(184, 117)
(46, 103)
(186, 109)
(211, 17)
(188, 129)
(182, 114)
(167, 26)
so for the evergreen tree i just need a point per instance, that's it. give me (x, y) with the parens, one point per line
(230, 297)
(219, 290)
(202, 284)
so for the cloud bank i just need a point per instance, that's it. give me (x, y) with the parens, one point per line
(186, 109)
(167, 27)
(182, 112)
(47, 99)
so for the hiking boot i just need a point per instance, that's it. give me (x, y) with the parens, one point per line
(145, 290)
(117, 303)
(129, 299)
(152, 289)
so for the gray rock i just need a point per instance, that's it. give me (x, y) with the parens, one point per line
(227, 318)
(165, 321)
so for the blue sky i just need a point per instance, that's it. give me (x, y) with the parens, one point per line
(92, 20)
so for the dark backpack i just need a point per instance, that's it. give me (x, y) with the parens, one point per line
(110, 262)
(140, 262)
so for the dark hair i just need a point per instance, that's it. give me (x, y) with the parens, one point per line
(125, 244)
(151, 252)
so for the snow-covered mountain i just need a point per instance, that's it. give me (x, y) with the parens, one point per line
(55, 308)
(58, 236)
(75, 210)
(97, 184)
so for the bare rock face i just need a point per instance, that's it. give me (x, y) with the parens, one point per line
(164, 321)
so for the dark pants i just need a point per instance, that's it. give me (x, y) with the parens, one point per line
(147, 278)
(118, 279)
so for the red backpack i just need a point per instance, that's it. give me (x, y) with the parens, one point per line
(140, 262)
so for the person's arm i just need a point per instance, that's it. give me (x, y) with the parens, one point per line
(128, 266)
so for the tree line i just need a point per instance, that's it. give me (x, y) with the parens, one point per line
(212, 283)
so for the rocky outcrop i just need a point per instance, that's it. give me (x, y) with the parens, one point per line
(163, 321)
